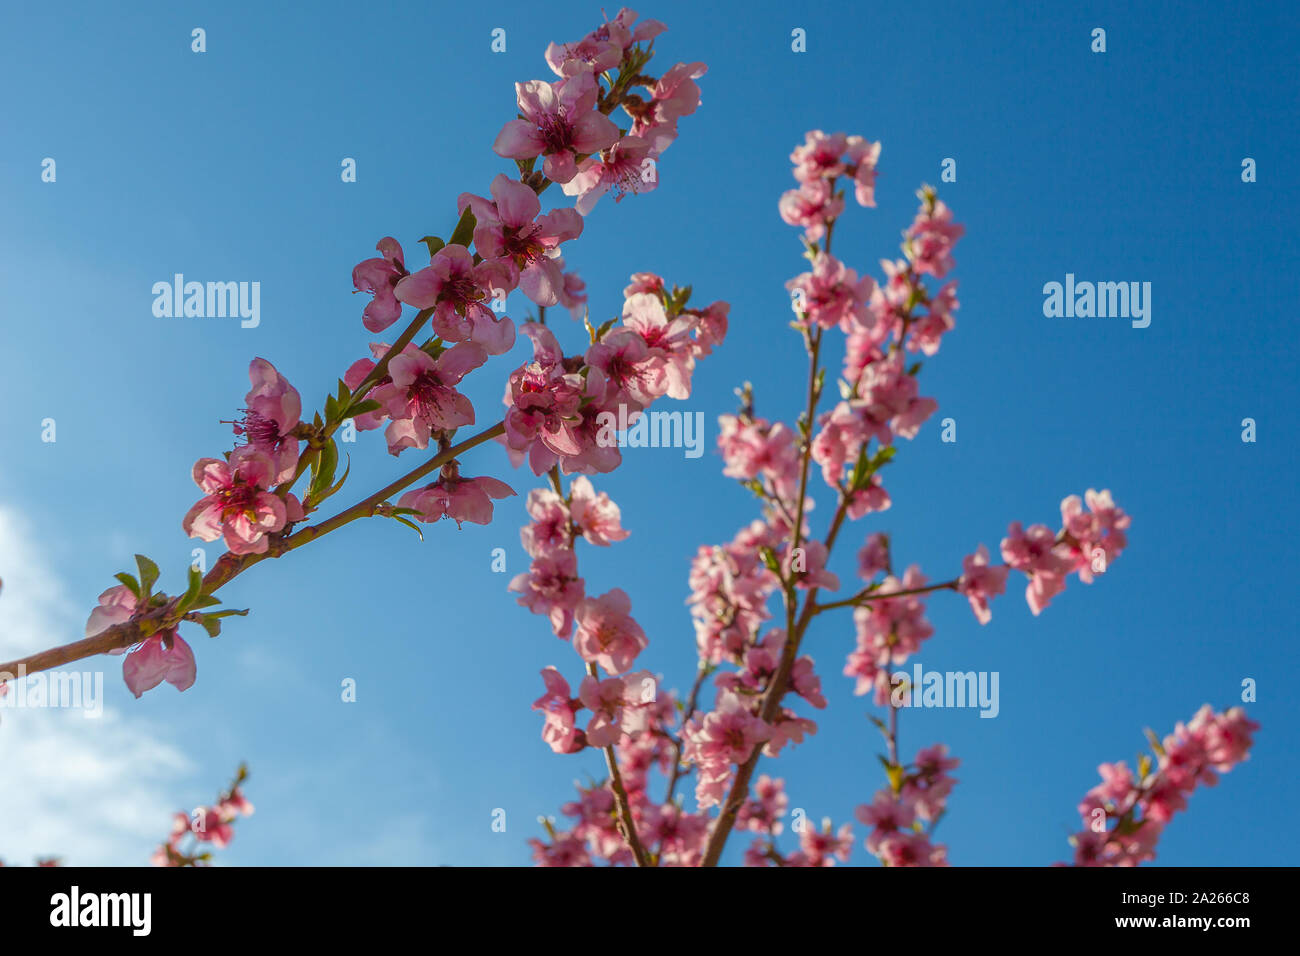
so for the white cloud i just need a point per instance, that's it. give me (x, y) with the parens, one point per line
(93, 792)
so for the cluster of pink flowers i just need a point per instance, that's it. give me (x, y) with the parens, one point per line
(1086, 544)
(674, 835)
(566, 411)
(818, 163)
(239, 504)
(1124, 815)
(502, 242)
(563, 415)
(901, 815)
(755, 666)
(567, 122)
(206, 825)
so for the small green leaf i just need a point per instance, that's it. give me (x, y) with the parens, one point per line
(434, 244)
(410, 524)
(192, 591)
(361, 407)
(1154, 741)
(463, 234)
(323, 471)
(131, 583)
(337, 485)
(148, 573)
(604, 328)
(212, 625)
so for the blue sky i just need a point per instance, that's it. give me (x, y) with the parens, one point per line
(225, 166)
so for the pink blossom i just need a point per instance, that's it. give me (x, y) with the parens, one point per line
(811, 207)
(559, 121)
(868, 499)
(595, 516)
(617, 706)
(831, 294)
(1037, 554)
(874, 556)
(509, 231)
(811, 572)
(754, 448)
(820, 156)
(163, 656)
(980, 581)
(1095, 537)
(549, 529)
(607, 635)
(567, 850)
(635, 374)
(862, 157)
(573, 295)
(461, 499)
(644, 282)
(380, 276)
(272, 411)
(627, 166)
(761, 813)
(455, 288)
(560, 730)
(551, 586)
(926, 331)
(819, 848)
(422, 399)
(910, 849)
(644, 314)
(236, 503)
(886, 814)
(930, 239)
(677, 94)
(602, 49)
(357, 373)
(805, 682)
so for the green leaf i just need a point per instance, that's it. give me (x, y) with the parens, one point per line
(212, 625)
(604, 327)
(337, 485)
(1154, 741)
(410, 524)
(192, 591)
(463, 234)
(148, 574)
(434, 244)
(131, 583)
(323, 472)
(242, 612)
(361, 407)
(1144, 766)
(331, 408)
(894, 772)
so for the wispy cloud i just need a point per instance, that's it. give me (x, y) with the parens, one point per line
(91, 791)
